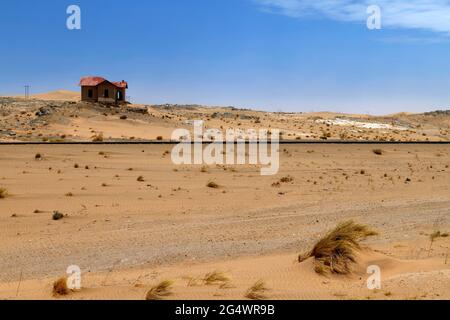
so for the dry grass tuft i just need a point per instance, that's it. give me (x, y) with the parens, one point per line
(378, 152)
(438, 234)
(193, 282)
(212, 185)
(160, 291)
(57, 215)
(204, 169)
(257, 291)
(216, 277)
(140, 179)
(3, 193)
(60, 287)
(97, 137)
(335, 252)
(286, 179)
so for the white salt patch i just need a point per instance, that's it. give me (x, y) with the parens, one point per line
(359, 124)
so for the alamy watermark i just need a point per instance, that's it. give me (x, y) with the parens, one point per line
(73, 22)
(374, 19)
(232, 147)
(374, 281)
(74, 277)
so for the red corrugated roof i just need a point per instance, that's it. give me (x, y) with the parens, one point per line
(91, 81)
(121, 84)
(95, 81)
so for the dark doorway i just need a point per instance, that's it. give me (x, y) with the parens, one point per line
(106, 93)
(90, 93)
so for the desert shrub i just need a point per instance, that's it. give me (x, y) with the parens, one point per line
(286, 179)
(335, 252)
(212, 185)
(57, 215)
(204, 169)
(161, 290)
(257, 291)
(97, 137)
(3, 193)
(216, 277)
(378, 152)
(438, 234)
(60, 287)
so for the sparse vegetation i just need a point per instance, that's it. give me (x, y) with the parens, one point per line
(140, 179)
(216, 277)
(60, 287)
(438, 234)
(38, 156)
(335, 252)
(160, 291)
(286, 179)
(57, 215)
(97, 137)
(257, 291)
(159, 138)
(3, 193)
(378, 152)
(212, 185)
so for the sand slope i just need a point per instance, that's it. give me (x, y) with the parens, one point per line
(58, 95)
(284, 278)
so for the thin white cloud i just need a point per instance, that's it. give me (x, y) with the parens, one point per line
(430, 15)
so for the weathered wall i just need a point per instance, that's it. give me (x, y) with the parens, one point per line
(85, 94)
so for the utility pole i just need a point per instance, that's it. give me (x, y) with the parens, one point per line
(27, 91)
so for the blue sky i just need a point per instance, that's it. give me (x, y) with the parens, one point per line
(281, 55)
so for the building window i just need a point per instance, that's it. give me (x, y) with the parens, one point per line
(106, 93)
(90, 93)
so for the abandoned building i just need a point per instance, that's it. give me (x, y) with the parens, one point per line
(98, 89)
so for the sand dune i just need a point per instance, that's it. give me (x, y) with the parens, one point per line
(59, 95)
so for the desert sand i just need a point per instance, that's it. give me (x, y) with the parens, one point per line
(127, 235)
(58, 95)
